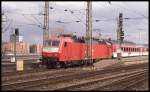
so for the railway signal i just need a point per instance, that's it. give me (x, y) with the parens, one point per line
(120, 35)
(16, 34)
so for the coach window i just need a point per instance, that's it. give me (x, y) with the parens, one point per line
(124, 48)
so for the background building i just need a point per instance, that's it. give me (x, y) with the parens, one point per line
(21, 48)
(36, 48)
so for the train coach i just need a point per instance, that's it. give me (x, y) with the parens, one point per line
(128, 50)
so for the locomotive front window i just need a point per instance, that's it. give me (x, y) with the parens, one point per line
(55, 43)
(52, 43)
(48, 43)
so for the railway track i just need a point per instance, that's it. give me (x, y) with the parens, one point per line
(63, 78)
(24, 57)
(35, 73)
(109, 80)
(122, 83)
(37, 78)
(13, 73)
(7, 68)
(138, 84)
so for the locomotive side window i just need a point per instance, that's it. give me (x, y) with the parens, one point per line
(48, 43)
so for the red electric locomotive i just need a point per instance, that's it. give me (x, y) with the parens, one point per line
(69, 50)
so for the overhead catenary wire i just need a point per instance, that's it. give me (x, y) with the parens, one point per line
(98, 20)
(73, 13)
(133, 9)
(79, 20)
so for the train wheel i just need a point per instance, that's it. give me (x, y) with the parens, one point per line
(64, 65)
(58, 65)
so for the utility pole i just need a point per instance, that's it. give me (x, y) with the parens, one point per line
(120, 35)
(46, 23)
(89, 32)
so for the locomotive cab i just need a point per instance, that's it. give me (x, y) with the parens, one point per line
(53, 52)
(50, 52)
(51, 49)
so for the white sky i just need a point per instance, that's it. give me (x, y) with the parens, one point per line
(101, 10)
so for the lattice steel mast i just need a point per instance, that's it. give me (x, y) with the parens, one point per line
(89, 31)
(46, 22)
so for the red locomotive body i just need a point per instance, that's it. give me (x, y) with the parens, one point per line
(64, 51)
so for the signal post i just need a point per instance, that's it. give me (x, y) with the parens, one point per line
(120, 35)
